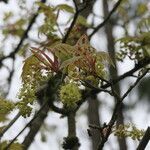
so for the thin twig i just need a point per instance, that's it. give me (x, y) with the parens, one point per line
(107, 18)
(78, 11)
(24, 36)
(114, 115)
(72, 23)
(142, 64)
(27, 125)
(9, 125)
(132, 86)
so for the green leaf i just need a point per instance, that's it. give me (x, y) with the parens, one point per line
(104, 57)
(70, 61)
(65, 7)
(83, 41)
(82, 21)
(62, 51)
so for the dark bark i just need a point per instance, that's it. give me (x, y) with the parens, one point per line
(114, 71)
(93, 104)
(35, 127)
(71, 142)
(93, 118)
(93, 107)
(45, 96)
(144, 141)
(72, 129)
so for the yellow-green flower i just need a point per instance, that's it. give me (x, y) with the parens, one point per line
(70, 94)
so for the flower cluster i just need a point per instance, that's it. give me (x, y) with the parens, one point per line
(128, 131)
(70, 94)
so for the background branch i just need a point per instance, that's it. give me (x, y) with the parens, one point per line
(115, 112)
(144, 141)
(24, 36)
(107, 18)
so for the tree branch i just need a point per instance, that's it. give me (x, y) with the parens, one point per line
(140, 65)
(115, 112)
(107, 18)
(9, 125)
(24, 36)
(73, 21)
(28, 124)
(145, 140)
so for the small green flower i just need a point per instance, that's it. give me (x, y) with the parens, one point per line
(100, 70)
(6, 106)
(25, 110)
(70, 94)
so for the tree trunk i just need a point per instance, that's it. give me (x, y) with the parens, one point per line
(93, 104)
(35, 127)
(72, 129)
(114, 71)
(93, 118)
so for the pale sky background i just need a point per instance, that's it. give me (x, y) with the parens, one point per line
(139, 115)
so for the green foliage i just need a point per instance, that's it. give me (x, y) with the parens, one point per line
(31, 65)
(62, 51)
(15, 29)
(65, 7)
(22, 51)
(82, 21)
(141, 9)
(82, 59)
(32, 78)
(50, 18)
(5, 108)
(128, 131)
(92, 80)
(70, 94)
(7, 16)
(14, 146)
(66, 66)
(78, 62)
(136, 48)
(144, 25)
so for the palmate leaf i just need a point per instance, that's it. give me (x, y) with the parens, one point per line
(45, 9)
(62, 51)
(83, 46)
(136, 48)
(83, 40)
(70, 61)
